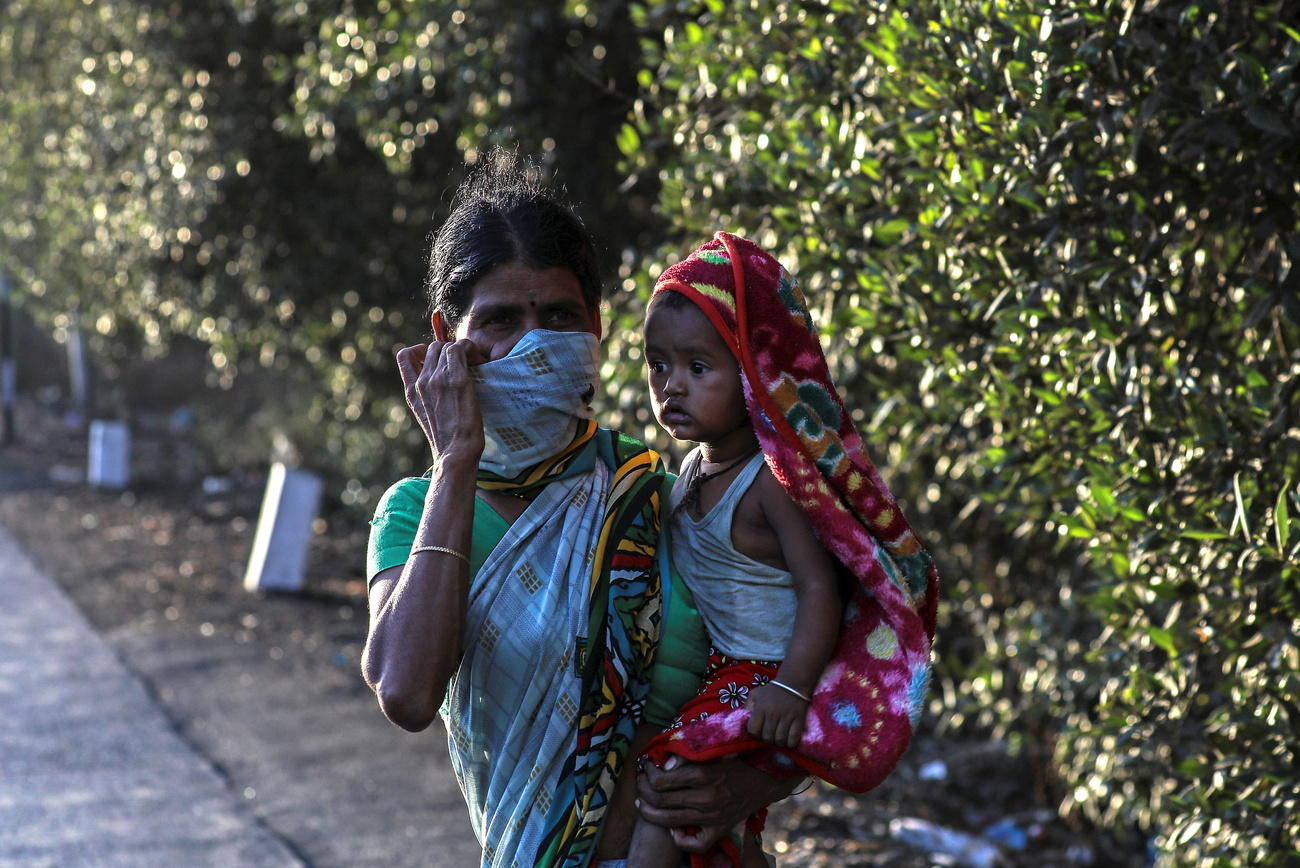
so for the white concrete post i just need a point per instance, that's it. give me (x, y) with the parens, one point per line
(279, 558)
(78, 370)
(109, 459)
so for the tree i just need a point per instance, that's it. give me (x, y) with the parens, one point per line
(260, 177)
(1051, 250)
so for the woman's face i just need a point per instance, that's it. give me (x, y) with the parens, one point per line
(512, 300)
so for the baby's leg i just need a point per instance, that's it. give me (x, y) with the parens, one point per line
(622, 815)
(652, 847)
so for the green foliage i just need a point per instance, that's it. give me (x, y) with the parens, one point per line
(1050, 246)
(139, 193)
(1051, 250)
(261, 176)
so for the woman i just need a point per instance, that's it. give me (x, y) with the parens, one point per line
(518, 587)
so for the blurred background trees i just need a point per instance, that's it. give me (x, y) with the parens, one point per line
(1050, 247)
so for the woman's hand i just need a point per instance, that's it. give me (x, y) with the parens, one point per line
(715, 797)
(441, 395)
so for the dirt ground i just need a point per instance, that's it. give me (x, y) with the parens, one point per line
(167, 556)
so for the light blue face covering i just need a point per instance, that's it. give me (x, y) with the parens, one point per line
(533, 399)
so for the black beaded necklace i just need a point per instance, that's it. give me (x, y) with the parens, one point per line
(691, 499)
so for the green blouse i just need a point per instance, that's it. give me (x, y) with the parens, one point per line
(683, 643)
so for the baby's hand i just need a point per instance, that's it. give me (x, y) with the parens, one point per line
(776, 716)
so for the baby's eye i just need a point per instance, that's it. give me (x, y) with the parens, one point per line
(698, 367)
(656, 366)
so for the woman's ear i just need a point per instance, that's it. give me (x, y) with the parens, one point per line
(439, 323)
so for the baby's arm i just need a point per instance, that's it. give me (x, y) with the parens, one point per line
(777, 715)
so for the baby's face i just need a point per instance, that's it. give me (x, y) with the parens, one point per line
(694, 379)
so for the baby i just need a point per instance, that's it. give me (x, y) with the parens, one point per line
(768, 590)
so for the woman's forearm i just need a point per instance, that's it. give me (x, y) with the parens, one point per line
(417, 617)
(716, 795)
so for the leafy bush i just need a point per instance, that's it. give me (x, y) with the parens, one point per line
(1051, 249)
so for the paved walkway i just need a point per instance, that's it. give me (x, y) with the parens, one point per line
(91, 771)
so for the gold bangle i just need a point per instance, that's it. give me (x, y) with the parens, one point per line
(446, 551)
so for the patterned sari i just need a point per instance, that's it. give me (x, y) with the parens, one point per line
(562, 626)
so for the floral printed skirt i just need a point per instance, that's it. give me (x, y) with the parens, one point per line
(726, 685)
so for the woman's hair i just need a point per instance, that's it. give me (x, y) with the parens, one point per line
(504, 214)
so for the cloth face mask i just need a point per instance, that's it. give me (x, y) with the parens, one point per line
(533, 399)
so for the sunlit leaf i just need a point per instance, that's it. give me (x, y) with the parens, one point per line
(1239, 517)
(1162, 638)
(1282, 517)
(629, 140)
(890, 231)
